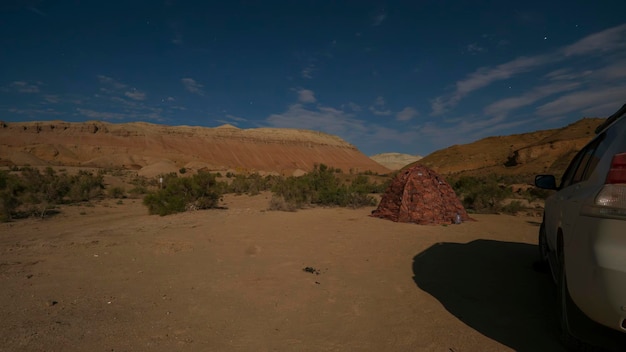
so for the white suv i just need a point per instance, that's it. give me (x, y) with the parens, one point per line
(583, 235)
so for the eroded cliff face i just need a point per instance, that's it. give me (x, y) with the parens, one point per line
(142, 145)
(547, 151)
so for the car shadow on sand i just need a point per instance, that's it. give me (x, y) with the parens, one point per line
(492, 287)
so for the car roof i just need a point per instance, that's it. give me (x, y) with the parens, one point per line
(609, 121)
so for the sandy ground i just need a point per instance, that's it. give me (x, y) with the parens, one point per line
(110, 277)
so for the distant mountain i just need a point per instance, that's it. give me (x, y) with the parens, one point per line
(152, 149)
(546, 151)
(395, 161)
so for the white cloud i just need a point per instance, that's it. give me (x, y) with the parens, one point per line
(135, 94)
(352, 106)
(599, 43)
(379, 19)
(25, 87)
(307, 72)
(341, 123)
(306, 96)
(327, 119)
(192, 86)
(101, 115)
(505, 106)
(236, 118)
(583, 100)
(406, 114)
(51, 98)
(106, 80)
(608, 40)
(379, 107)
(474, 48)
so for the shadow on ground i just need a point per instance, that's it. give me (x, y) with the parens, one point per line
(492, 287)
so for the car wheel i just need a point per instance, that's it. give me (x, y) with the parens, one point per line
(543, 264)
(543, 244)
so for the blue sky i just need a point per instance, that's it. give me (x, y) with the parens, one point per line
(395, 76)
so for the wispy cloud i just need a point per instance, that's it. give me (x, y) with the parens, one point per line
(101, 115)
(307, 72)
(406, 114)
(486, 76)
(34, 112)
(25, 87)
(192, 86)
(135, 94)
(583, 100)
(474, 48)
(503, 107)
(598, 43)
(379, 108)
(595, 44)
(52, 98)
(106, 80)
(306, 96)
(326, 119)
(111, 86)
(379, 18)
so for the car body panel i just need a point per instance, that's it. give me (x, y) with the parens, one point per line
(593, 245)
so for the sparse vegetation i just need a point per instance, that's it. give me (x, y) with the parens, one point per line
(179, 194)
(481, 195)
(117, 192)
(30, 191)
(322, 187)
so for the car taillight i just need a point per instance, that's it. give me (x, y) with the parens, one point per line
(617, 173)
(613, 193)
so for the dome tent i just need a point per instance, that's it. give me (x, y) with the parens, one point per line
(420, 195)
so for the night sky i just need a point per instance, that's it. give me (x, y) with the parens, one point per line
(395, 76)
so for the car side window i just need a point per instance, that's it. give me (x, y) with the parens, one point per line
(566, 180)
(595, 157)
(585, 157)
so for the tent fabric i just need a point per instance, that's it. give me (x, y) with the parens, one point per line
(420, 195)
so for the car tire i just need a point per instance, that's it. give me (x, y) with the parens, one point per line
(543, 264)
(542, 241)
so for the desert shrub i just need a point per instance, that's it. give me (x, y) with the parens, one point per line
(37, 192)
(182, 170)
(535, 193)
(10, 187)
(251, 184)
(201, 191)
(480, 194)
(513, 208)
(279, 203)
(85, 186)
(322, 187)
(117, 192)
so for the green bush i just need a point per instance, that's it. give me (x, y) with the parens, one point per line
(481, 195)
(37, 191)
(201, 191)
(323, 187)
(117, 192)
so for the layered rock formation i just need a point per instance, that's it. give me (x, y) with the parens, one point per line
(144, 146)
(547, 151)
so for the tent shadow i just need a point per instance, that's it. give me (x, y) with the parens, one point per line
(492, 287)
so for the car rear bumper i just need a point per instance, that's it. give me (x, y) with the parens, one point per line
(596, 270)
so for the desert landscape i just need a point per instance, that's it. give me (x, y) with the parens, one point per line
(110, 277)
(105, 275)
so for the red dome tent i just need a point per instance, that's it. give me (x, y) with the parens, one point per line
(420, 195)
